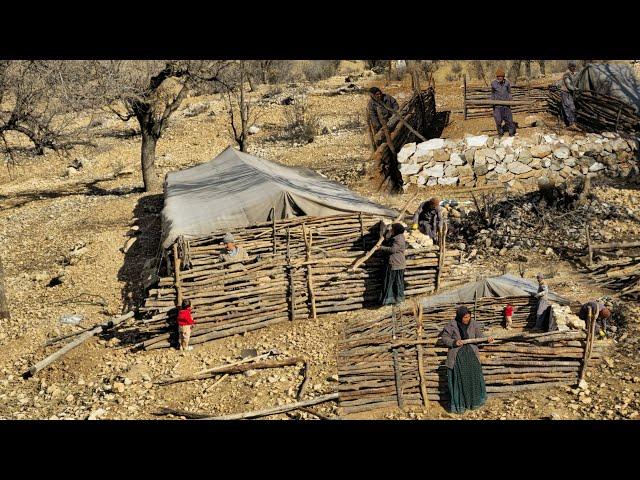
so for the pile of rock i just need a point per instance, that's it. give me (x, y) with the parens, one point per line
(565, 319)
(480, 160)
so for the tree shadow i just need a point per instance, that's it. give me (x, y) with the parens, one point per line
(144, 252)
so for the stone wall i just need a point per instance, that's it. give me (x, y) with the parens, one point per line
(484, 160)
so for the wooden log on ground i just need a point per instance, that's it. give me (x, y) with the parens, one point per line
(276, 410)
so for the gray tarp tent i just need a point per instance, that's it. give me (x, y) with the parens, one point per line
(616, 80)
(503, 286)
(236, 189)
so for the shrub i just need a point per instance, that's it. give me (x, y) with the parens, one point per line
(316, 70)
(300, 122)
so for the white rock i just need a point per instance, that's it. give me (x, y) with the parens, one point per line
(540, 151)
(253, 130)
(456, 159)
(596, 167)
(421, 180)
(433, 144)
(500, 169)
(432, 182)
(410, 168)
(509, 158)
(476, 141)
(507, 142)
(501, 153)
(406, 151)
(546, 162)
(561, 152)
(448, 181)
(96, 414)
(518, 168)
(435, 171)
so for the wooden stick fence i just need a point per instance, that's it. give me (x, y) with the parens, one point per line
(478, 103)
(397, 360)
(309, 275)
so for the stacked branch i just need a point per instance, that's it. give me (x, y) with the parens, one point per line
(596, 112)
(525, 99)
(379, 367)
(419, 113)
(621, 275)
(300, 279)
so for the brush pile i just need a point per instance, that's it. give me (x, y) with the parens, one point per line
(534, 100)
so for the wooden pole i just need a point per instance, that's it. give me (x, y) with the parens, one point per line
(400, 118)
(423, 384)
(589, 246)
(78, 341)
(312, 294)
(276, 410)
(4, 304)
(176, 272)
(273, 227)
(591, 325)
(465, 97)
(396, 366)
(441, 257)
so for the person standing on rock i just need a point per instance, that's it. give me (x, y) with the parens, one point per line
(429, 218)
(393, 287)
(567, 91)
(599, 314)
(543, 302)
(185, 324)
(501, 90)
(465, 380)
(377, 101)
(233, 252)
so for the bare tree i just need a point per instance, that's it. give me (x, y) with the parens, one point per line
(542, 64)
(239, 105)
(40, 102)
(150, 92)
(514, 71)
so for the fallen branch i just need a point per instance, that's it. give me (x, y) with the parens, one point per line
(179, 413)
(237, 368)
(70, 346)
(276, 410)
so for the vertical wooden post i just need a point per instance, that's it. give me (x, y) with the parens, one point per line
(442, 236)
(464, 107)
(176, 272)
(312, 295)
(385, 129)
(273, 226)
(591, 327)
(423, 384)
(292, 286)
(364, 244)
(589, 246)
(475, 304)
(396, 364)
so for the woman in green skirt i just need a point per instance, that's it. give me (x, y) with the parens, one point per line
(393, 287)
(464, 372)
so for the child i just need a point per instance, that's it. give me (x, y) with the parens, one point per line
(508, 312)
(185, 323)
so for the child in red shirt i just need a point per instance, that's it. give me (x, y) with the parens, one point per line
(185, 323)
(508, 313)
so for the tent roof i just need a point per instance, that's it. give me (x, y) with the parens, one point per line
(613, 79)
(503, 286)
(236, 189)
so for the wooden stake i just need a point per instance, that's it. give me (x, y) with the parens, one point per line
(176, 272)
(441, 257)
(423, 384)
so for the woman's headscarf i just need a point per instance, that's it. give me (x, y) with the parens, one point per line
(461, 312)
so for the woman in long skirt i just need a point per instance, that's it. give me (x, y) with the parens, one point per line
(393, 287)
(464, 371)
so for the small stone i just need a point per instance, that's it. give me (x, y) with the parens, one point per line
(97, 414)
(118, 387)
(253, 130)
(476, 141)
(540, 151)
(596, 167)
(333, 378)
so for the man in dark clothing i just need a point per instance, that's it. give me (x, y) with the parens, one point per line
(430, 218)
(599, 313)
(377, 98)
(567, 90)
(501, 90)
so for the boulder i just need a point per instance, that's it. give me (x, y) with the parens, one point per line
(619, 145)
(433, 144)
(456, 159)
(518, 168)
(540, 151)
(509, 157)
(500, 153)
(507, 141)
(421, 180)
(596, 167)
(561, 152)
(476, 141)
(432, 182)
(409, 168)
(448, 181)
(500, 169)
(450, 171)
(469, 155)
(480, 170)
(465, 171)
(546, 162)
(441, 156)
(435, 171)
(406, 151)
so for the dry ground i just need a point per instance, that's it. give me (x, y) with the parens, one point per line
(44, 214)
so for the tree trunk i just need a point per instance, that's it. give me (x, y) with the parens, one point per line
(148, 157)
(4, 305)
(527, 69)
(542, 67)
(514, 71)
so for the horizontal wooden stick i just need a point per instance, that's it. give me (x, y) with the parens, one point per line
(276, 410)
